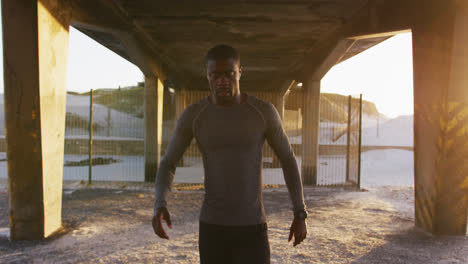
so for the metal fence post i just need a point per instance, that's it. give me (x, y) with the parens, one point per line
(108, 121)
(360, 141)
(348, 139)
(90, 151)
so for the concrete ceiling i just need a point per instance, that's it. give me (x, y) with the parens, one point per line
(275, 38)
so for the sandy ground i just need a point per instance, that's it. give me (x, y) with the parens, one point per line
(112, 225)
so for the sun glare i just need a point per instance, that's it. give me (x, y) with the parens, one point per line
(383, 74)
(91, 65)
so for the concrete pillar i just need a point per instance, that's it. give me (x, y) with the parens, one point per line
(311, 106)
(154, 94)
(181, 103)
(279, 101)
(310, 130)
(440, 58)
(168, 124)
(35, 39)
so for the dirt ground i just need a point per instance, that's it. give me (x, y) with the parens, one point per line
(112, 225)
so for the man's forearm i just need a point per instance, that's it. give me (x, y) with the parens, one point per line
(279, 142)
(164, 179)
(175, 150)
(293, 183)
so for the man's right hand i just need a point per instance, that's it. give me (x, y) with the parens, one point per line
(161, 213)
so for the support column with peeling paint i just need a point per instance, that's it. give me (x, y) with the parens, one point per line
(35, 37)
(154, 93)
(440, 57)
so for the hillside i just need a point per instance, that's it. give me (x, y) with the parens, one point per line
(127, 100)
(333, 107)
(119, 112)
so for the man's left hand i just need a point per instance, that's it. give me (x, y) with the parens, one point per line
(298, 230)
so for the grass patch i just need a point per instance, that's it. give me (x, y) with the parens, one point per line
(96, 161)
(73, 120)
(128, 100)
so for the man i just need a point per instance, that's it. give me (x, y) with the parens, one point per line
(230, 128)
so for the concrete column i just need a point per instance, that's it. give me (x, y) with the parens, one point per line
(440, 58)
(154, 94)
(168, 124)
(278, 102)
(181, 103)
(310, 130)
(35, 39)
(311, 106)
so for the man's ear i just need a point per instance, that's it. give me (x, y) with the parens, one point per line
(240, 71)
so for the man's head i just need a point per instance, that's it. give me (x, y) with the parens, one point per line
(223, 72)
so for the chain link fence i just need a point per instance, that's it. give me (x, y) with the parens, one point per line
(115, 151)
(115, 126)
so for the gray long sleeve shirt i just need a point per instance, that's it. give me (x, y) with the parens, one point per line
(231, 141)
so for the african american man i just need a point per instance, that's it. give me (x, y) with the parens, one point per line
(230, 128)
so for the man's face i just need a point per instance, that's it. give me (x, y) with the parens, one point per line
(223, 77)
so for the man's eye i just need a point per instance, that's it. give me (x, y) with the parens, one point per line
(217, 75)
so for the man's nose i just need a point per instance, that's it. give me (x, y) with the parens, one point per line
(222, 79)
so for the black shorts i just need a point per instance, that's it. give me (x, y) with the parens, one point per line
(234, 244)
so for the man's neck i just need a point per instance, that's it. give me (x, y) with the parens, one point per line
(237, 100)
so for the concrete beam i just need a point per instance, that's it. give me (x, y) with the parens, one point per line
(286, 87)
(440, 61)
(378, 18)
(330, 58)
(383, 18)
(154, 94)
(86, 12)
(105, 17)
(35, 37)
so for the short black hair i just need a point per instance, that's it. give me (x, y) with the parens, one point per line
(222, 52)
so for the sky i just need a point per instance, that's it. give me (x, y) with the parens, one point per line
(383, 74)
(91, 65)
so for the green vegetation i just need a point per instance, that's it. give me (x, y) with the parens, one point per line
(334, 107)
(96, 161)
(128, 100)
(73, 120)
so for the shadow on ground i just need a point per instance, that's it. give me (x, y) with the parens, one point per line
(345, 226)
(416, 246)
